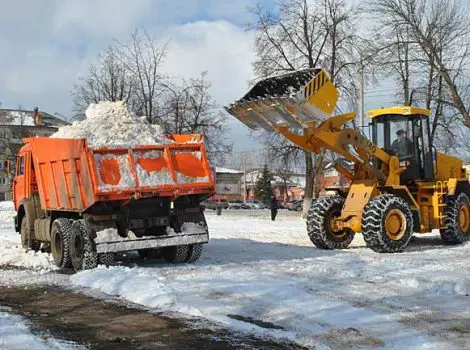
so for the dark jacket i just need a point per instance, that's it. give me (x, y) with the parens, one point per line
(274, 205)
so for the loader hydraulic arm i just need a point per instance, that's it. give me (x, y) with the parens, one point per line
(331, 135)
(298, 105)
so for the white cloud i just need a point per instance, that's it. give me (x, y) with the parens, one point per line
(220, 48)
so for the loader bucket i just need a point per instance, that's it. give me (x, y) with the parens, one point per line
(293, 100)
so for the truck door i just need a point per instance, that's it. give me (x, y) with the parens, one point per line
(19, 183)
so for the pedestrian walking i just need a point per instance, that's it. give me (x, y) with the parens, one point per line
(274, 207)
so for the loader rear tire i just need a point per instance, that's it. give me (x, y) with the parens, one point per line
(387, 224)
(319, 229)
(195, 251)
(456, 219)
(176, 254)
(82, 248)
(27, 240)
(60, 242)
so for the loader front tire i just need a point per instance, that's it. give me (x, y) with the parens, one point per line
(322, 211)
(82, 248)
(387, 224)
(456, 219)
(60, 242)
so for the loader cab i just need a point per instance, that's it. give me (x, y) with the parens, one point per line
(404, 132)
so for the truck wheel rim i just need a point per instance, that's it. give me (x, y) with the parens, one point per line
(58, 244)
(78, 247)
(395, 224)
(464, 218)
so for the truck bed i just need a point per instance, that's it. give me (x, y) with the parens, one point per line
(71, 176)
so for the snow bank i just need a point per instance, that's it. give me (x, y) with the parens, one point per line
(111, 124)
(10, 245)
(15, 334)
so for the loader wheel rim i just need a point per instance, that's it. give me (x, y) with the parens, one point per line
(333, 231)
(395, 224)
(464, 218)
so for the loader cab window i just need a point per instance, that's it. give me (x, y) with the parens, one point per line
(406, 137)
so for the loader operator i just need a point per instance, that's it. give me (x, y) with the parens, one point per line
(402, 146)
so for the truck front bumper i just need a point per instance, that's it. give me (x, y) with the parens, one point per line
(124, 245)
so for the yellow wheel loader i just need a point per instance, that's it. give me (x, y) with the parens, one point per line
(399, 184)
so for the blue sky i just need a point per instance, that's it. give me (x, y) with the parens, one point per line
(47, 45)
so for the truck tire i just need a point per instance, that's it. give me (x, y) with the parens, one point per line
(27, 240)
(456, 219)
(82, 248)
(176, 254)
(195, 251)
(387, 224)
(108, 259)
(322, 210)
(60, 242)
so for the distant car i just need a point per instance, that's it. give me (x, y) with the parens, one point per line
(296, 205)
(212, 204)
(255, 204)
(235, 205)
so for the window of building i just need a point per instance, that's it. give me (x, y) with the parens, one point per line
(2, 180)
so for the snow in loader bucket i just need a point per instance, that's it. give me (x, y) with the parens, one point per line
(289, 100)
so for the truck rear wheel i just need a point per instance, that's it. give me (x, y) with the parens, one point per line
(456, 219)
(82, 248)
(108, 259)
(387, 224)
(60, 242)
(27, 240)
(320, 231)
(195, 251)
(176, 254)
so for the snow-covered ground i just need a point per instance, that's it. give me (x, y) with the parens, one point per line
(267, 278)
(15, 335)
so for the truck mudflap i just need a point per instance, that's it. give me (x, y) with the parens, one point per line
(109, 241)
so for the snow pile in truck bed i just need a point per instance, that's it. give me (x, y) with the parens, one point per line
(112, 124)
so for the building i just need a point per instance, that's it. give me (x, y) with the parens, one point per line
(228, 184)
(16, 124)
(284, 186)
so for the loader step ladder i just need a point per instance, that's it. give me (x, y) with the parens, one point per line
(440, 189)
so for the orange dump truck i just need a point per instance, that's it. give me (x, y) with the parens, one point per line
(86, 204)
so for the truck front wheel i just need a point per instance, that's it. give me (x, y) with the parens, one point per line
(27, 240)
(60, 238)
(82, 248)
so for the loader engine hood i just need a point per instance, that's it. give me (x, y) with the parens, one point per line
(294, 100)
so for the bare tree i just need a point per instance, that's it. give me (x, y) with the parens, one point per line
(107, 79)
(188, 107)
(143, 58)
(304, 34)
(440, 28)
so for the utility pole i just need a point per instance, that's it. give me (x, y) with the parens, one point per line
(244, 181)
(361, 94)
